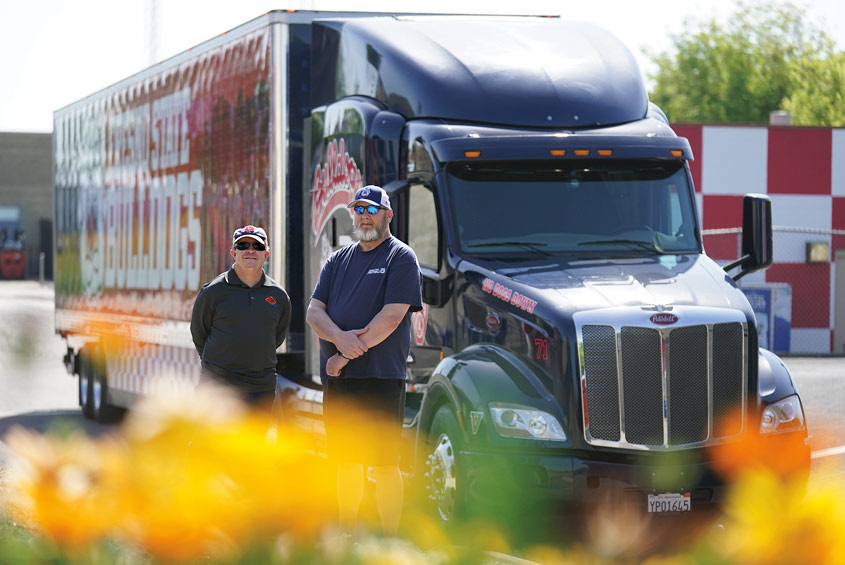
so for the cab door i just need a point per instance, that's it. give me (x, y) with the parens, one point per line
(419, 225)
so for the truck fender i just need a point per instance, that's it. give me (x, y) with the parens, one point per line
(469, 380)
(774, 379)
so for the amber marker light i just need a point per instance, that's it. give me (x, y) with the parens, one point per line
(605, 152)
(472, 154)
(557, 152)
(677, 152)
(582, 152)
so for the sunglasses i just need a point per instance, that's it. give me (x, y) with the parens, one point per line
(371, 210)
(244, 245)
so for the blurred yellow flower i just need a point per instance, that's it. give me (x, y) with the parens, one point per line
(189, 477)
(65, 487)
(769, 520)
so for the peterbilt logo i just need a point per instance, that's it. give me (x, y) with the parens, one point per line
(663, 319)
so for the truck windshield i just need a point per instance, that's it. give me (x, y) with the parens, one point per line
(590, 208)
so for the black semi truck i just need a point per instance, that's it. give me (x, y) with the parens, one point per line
(576, 340)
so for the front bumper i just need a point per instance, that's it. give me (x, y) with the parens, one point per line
(565, 480)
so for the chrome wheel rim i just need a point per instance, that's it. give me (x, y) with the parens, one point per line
(442, 477)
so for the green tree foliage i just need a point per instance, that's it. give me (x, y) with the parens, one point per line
(818, 94)
(764, 56)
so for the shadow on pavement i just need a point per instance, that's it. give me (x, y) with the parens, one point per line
(58, 421)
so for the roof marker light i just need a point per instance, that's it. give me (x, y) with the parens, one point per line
(557, 152)
(472, 154)
(605, 152)
(582, 152)
(677, 152)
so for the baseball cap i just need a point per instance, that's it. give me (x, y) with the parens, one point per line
(249, 231)
(371, 194)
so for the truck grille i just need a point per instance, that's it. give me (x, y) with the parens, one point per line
(660, 388)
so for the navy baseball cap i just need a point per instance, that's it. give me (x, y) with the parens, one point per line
(371, 194)
(249, 231)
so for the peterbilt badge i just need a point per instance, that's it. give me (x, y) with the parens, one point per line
(663, 319)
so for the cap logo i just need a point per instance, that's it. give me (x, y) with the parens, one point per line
(663, 319)
(249, 229)
(365, 192)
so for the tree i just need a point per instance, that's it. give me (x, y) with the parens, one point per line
(818, 95)
(742, 70)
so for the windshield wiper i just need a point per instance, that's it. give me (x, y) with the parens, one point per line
(652, 245)
(530, 245)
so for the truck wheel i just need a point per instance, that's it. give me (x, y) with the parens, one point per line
(101, 409)
(85, 386)
(444, 481)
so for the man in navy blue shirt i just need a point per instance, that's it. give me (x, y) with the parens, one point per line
(360, 310)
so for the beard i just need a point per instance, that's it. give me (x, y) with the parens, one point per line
(372, 234)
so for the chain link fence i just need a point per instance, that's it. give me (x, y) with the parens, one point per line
(796, 298)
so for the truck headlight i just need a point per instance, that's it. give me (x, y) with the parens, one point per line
(782, 416)
(512, 420)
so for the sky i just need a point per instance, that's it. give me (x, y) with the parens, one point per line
(54, 52)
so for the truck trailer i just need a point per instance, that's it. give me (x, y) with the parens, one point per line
(575, 339)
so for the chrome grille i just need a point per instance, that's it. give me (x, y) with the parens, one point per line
(727, 378)
(662, 387)
(602, 389)
(688, 385)
(642, 386)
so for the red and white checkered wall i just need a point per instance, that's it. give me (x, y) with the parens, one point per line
(802, 169)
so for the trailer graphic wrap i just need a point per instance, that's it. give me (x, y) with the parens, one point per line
(334, 186)
(152, 176)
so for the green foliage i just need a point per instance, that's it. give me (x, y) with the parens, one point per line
(741, 71)
(818, 96)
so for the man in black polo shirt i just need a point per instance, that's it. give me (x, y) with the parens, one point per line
(240, 318)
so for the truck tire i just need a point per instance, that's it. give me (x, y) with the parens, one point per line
(444, 471)
(101, 409)
(86, 401)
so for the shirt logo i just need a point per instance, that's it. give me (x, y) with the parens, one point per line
(376, 271)
(270, 300)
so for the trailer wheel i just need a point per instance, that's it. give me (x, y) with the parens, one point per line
(101, 410)
(85, 386)
(444, 480)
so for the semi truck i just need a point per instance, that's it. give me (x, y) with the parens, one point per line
(575, 338)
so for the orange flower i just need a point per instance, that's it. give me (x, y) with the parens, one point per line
(784, 454)
(65, 486)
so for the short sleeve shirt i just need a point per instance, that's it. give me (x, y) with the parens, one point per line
(355, 285)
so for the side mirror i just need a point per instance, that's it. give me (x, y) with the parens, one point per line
(757, 253)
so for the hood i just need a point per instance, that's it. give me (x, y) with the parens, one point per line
(596, 284)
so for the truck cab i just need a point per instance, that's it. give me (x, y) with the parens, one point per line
(575, 335)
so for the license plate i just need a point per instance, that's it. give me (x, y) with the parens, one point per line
(669, 502)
